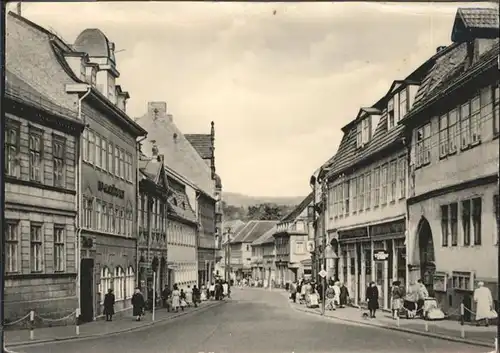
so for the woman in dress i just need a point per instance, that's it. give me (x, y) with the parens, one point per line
(372, 298)
(183, 299)
(138, 304)
(109, 305)
(203, 294)
(397, 294)
(176, 298)
(189, 296)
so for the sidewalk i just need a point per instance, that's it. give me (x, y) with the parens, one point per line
(16, 338)
(445, 329)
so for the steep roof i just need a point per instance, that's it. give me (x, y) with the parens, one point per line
(298, 210)
(93, 42)
(202, 144)
(474, 22)
(266, 238)
(236, 225)
(179, 154)
(252, 230)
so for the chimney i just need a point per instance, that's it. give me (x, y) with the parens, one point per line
(154, 149)
(440, 48)
(157, 110)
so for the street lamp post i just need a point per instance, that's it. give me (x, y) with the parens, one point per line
(327, 254)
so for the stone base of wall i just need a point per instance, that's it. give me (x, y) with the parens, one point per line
(51, 298)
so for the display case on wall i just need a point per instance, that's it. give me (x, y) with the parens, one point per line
(440, 282)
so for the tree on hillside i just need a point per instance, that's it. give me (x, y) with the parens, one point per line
(267, 211)
(233, 212)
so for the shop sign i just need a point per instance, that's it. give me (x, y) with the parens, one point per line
(358, 233)
(380, 255)
(440, 282)
(110, 190)
(388, 229)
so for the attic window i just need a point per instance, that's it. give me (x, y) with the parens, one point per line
(363, 132)
(397, 107)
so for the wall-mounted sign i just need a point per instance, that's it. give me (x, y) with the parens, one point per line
(380, 255)
(440, 282)
(358, 233)
(310, 245)
(110, 190)
(388, 229)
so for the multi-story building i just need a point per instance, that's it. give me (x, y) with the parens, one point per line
(152, 220)
(263, 271)
(229, 229)
(367, 189)
(291, 236)
(83, 75)
(41, 140)
(184, 164)
(454, 128)
(209, 251)
(241, 247)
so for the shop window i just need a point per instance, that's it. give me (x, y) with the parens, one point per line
(463, 281)
(368, 262)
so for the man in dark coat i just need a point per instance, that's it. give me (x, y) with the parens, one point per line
(196, 296)
(344, 295)
(218, 291)
(109, 305)
(372, 298)
(165, 294)
(138, 304)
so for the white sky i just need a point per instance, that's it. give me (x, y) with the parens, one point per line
(279, 87)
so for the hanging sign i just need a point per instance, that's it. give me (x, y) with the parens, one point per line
(380, 255)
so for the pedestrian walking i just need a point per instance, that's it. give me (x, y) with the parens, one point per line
(189, 296)
(225, 289)
(212, 291)
(165, 296)
(344, 295)
(293, 291)
(203, 293)
(182, 297)
(330, 298)
(372, 298)
(196, 296)
(397, 294)
(336, 289)
(218, 291)
(109, 305)
(176, 298)
(138, 304)
(422, 293)
(484, 304)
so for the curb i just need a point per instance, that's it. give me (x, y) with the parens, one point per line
(108, 334)
(400, 329)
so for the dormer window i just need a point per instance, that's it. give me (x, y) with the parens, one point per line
(390, 114)
(363, 132)
(399, 104)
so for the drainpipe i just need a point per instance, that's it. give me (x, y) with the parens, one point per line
(198, 238)
(136, 214)
(78, 202)
(408, 247)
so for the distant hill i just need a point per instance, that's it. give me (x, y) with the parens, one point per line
(240, 200)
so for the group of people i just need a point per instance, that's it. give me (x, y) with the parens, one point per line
(217, 290)
(336, 293)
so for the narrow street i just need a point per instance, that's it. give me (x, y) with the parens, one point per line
(256, 321)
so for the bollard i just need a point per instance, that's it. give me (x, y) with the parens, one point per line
(462, 319)
(77, 321)
(426, 324)
(397, 321)
(32, 325)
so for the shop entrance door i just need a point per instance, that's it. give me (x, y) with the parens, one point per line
(379, 281)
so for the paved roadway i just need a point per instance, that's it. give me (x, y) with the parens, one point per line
(257, 321)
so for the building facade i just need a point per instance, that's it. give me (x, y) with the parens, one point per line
(367, 190)
(241, 247)
(291, 239)
(41, 141)
(454, 128)
(152, 220)
(263, 270)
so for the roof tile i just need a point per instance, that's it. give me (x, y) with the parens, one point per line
(252, 230)
(202, 144)
(266, 238)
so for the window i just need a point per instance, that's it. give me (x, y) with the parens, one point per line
(475, 121)
(91, 147)
(366, 130)
(497, 215)
(98, 214)
(130, 221)
(104, 217)
(465, 125)
(346, 197)
(423, 145)
(118, 224)
(119, 283)
(368, 190)
(461, 280)
(359, 138)
(110, 158)
(122, 164)
(58, 248)
(384, 184)
(117, 161)
(443, 136)
(496, 103)
(376, 187)
(354, 185)
(466, 220)
(444, 225)
(11, 246)
(111, 219)
(85, 145)
(391, 120)
(361, 193)
(58, 149)
(476, 219)
(12, 144)
(35, 150)
(403, 104)
(454, 223)
(402, 177)
(452, 131)
(392, 181)
(36, 247)
(341, 192)
(104, 151)
(130, 282)
(87, 211)
(105, 282)
(98, 153)
(299, 247)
